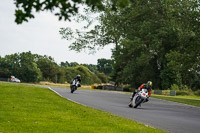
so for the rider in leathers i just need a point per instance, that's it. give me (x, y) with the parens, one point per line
(77, 78)
(147, 86)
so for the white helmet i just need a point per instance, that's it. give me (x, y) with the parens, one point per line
(78, 76)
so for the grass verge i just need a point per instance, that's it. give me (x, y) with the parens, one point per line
(34, 109)
(190, 100)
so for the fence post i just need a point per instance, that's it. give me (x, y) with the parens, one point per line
(158, 92)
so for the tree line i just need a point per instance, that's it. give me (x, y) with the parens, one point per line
(154, 40)
(30, 67)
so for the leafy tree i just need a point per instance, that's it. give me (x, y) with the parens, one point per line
(4, 71)
(65, 64)
(104, 65)
(87, 76)
(73, 64)
(104, 78)
(61, 78)
(64, 8)
(48, 68)
(165, 40)
(91, 67)
(155, 40)
(103, 34)
(22, 66)
(29, 72)
(12, 62)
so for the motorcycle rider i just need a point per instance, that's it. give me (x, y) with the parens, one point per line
(77, 78)
(147, 86)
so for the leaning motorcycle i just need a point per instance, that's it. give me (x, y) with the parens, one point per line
(74, 85)
(139, 98)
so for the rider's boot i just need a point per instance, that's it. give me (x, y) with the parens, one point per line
(131, 98)
(130, 103)
(147, 99)
(133, 95)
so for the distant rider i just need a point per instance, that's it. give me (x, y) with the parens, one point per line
(77, 78)
(147, 86)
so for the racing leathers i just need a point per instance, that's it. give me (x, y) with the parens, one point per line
(77, 79)
(143, 86)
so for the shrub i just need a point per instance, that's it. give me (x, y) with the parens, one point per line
(197, 92)
(102, 77)
(174, 87)
(87, 76)
(178, 92)
(184, 90)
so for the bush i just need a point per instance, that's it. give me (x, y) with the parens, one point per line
(186, 88)
(178, 92)
(127, 88)
(197, 92)
(174, 87)
(102, 77)
(87, 76)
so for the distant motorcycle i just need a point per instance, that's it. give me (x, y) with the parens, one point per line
(139, 98)
(74, 85)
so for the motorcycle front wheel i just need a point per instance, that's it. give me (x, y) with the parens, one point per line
(138, 101)
(73, 88)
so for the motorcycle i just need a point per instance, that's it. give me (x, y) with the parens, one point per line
(74, 85)
(139, 98)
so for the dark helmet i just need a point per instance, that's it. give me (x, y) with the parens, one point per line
(149, 84)
(78, 76)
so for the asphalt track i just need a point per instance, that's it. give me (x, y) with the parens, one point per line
(169, 116)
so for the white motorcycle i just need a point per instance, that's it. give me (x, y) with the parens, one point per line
(74, 85)
(139, 98)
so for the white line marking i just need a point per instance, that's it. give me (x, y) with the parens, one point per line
(66, 97)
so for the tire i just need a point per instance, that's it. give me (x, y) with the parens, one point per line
(72, 89)
(137, 103)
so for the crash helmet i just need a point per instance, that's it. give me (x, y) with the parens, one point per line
(149, 84)
(78, 76)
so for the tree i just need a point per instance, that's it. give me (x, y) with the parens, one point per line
(87, 76)
(105, 33)
(21, 65)
(91, 67)
(29, 71)
(48, 68)
(65, 8)
(104, 65)
(65, 64)
(73, 64)
(4, 71)
(103, 77)
(155, 40)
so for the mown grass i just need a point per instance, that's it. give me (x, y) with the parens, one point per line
(190, 100)
(25, 109)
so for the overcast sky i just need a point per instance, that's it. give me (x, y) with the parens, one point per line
(40, 36)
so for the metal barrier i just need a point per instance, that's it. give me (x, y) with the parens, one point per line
(165, 92)
(5, 79)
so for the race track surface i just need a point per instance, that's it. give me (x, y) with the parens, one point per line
(169, 116)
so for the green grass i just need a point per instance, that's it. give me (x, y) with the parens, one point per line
(190, 100)
(25, 109)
